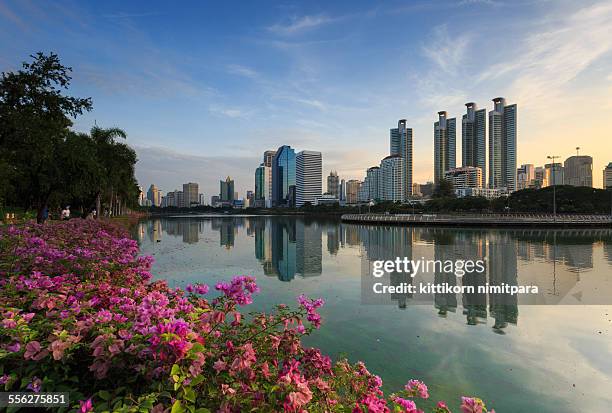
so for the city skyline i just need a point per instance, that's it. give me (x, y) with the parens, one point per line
(193, 108)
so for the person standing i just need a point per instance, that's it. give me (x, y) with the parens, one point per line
(66, 213)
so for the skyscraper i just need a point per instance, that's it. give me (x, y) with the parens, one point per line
(267, 157)
(392, 178)
(373, 178)
(502, 145)
(226, 190)
(308, 177)
(263, 186)
(154, 195)
(474, 139)
(283, 176)
(190, 194)
(607, 176)
(352, 191)
(445, 135)
(579, 171)
(333, 184)
(401, 144)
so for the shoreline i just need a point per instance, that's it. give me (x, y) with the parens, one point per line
(484, 220)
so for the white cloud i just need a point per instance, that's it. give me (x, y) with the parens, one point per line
(228, 112)
(300, 24)
(240, 70)
(446, 52)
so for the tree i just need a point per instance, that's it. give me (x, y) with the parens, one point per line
(444, 189)
(35, 121)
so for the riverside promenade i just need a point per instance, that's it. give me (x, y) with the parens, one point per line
(484, 220)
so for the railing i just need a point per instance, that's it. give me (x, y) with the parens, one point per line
(485, 219)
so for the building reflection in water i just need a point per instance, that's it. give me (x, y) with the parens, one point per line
(290, 247)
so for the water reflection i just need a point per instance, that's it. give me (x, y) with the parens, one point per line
(288, 247)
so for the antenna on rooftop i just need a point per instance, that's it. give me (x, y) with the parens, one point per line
(577, 150)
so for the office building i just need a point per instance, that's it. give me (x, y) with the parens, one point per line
(525, 176)
(283, 177)
(226, 191)
(401, 144)
(215, 201)
(579, 171)
(373, 183)
(541, 178)
(191, 194)
(154, 195)
(352, 191)
(342, 191)
(444, 145)
(607, 176)
(474, 138)
(333, 184)
(488, 193)
(392, 178)
(502, 145)
(263, 186)
(554, 173)
(268, 156)
(308, 177)
(464, 177)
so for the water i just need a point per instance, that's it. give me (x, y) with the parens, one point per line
(518, 357)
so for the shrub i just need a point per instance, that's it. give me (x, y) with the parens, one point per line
(81, 314)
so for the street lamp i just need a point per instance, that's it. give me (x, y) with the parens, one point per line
(553, 157)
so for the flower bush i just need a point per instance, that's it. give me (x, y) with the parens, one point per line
(80, 313)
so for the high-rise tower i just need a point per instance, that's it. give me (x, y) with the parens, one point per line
(401, 144)
(502, 145)
(474, 139)
(445, 136)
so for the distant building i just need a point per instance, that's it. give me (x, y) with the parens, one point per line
(154, 195)
(352, 191)
(268, 156)
(401, 144)
(416, 190)
(474, 138)
(502, 145)
(308, 177)
(607, 176)
(333, 184)
(489, 193)
(326, 199)
(191, 194)
(250, 199)
(283, 177)
(201, 199)
(525, 175)
(373, 183)
(180, 199)
(554, 173)
(464, 177)
(579, 171)
(141, 197)
(226, 191)
(342, 191)
(541, 178)
(215, 201)
(444, 145)
(392, 178)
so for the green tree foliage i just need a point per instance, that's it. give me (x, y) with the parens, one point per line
(43, 162)
(444, 189)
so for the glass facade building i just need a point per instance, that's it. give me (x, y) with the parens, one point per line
(283, 177)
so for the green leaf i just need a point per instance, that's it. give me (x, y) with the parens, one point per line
(177, 407)
(104, 395)
(176, 369)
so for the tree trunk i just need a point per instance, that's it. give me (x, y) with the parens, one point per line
(98, 205)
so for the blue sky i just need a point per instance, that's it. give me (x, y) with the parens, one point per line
(203, 89)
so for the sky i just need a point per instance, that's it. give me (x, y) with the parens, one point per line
(204, 88)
